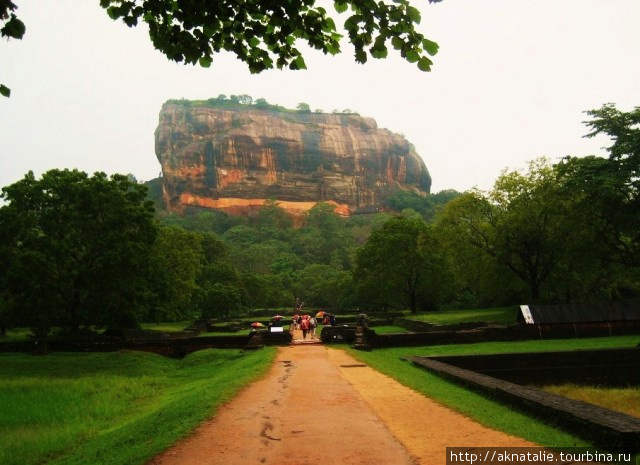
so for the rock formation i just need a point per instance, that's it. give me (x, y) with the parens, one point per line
(235, 158)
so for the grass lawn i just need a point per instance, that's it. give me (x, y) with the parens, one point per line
(16, 334)
(168, 327)
(625, 400)
(500, 315)
(388, 329)
(23, 334)
(242, 332)
(112, 408)
(486, 411)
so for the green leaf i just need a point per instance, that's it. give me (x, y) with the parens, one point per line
(412, 56)
(14, 28)
(113, 12)
(209, 30)
(205, 61)
(329, 25)
(424, 64)
(397, 42)
(379, 53)
(379, 49)
(413, 14)
(298, 63)
(5, 91)
(333, 48)
(361, 56)
(430, 47)
(340, 7)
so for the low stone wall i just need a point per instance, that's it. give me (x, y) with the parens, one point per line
(338, 334)
(604, 367)
(425, 327)
(516, 332)
(603, 427)
(176, 348)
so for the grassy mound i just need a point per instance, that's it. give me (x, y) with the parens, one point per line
(112, 408)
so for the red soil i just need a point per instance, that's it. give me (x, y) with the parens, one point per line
(319, 406)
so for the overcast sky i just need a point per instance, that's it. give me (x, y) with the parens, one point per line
(510, 83)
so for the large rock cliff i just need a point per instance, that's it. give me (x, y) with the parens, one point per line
(235, 159)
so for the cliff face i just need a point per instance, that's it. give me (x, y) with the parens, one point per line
(237, 159)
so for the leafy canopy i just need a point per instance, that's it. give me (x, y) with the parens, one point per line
(263, 33)
(75, 250)
(11, 28)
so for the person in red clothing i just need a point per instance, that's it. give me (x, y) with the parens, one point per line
(304, 326)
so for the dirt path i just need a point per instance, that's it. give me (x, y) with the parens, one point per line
(320, 406)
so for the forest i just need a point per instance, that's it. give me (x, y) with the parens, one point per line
(84, 251)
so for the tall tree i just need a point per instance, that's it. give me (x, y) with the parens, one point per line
(529, 236)
(465, 229)
(614, 185)
(323, 237)
(390, 268)
(549, 227)
(177, 262)
(220, 290)
(75, 250)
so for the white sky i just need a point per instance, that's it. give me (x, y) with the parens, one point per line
(510, 83)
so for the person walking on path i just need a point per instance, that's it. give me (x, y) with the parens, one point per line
(313, 324)
(304, 326)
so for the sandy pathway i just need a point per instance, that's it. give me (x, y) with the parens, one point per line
(424, 427)
(302, 412)
(320, 406)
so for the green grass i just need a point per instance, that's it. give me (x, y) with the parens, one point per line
(15, 335)
(485, 410)
(388, 329)
(114, 408)
(167, 327)
(24, 334)
(242, 332)
(500, 315)
(625, 400)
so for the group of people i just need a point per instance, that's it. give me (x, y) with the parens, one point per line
(306, 323)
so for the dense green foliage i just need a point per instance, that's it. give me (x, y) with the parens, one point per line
(401, 266)
(264, 34)
(558, 233)
(75, 251)
(237, 102)
(84, 252)
(115, 408)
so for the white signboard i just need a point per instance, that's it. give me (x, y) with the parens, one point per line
(526, 313)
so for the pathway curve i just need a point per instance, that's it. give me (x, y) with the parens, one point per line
(318, 406)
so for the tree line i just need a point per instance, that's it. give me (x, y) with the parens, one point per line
(84, 251)
(245, 101)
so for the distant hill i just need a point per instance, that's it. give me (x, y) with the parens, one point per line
(234, 157)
